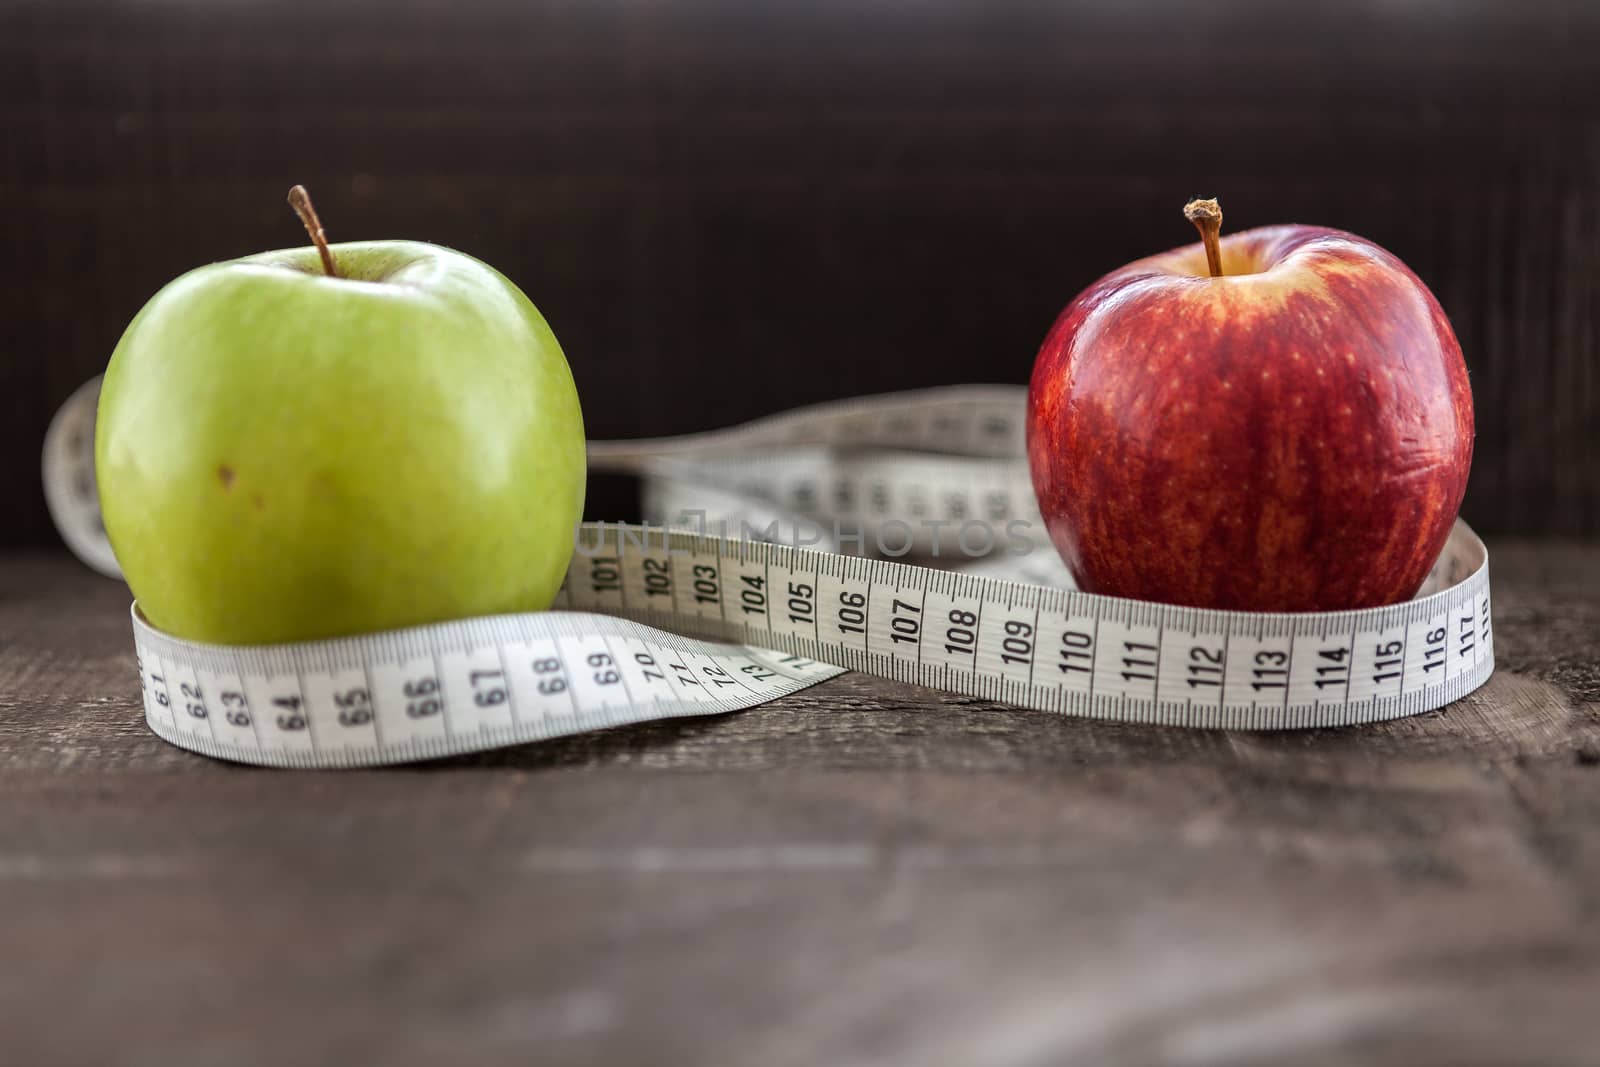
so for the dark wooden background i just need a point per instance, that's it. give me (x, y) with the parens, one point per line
(725, 208)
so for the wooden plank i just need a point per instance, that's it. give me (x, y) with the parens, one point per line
(70, 675)
(860, 873)
(813, 200)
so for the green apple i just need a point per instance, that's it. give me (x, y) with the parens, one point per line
(285, 455)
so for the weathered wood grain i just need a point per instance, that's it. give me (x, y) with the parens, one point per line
(863, 873)
(726, 208)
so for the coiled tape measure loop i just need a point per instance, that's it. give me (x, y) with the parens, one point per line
(656, 622)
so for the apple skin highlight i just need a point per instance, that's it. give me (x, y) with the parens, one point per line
(1292, 436)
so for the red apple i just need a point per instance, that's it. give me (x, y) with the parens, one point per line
(1292, 434)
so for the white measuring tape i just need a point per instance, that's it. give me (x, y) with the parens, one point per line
(654, 623)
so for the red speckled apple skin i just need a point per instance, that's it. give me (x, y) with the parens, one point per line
(1294, 439)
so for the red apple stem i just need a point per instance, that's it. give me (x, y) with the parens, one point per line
(1207, 218)
(300, 200)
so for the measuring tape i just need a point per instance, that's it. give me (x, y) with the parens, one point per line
(755, 601)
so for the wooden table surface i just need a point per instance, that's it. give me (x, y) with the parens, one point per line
(862, 873)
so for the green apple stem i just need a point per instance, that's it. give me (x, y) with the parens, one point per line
(1207, 218)
(300, 200)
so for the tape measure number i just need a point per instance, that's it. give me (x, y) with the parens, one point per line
(654, 623)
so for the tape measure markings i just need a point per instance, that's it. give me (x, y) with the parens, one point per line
(296, 691)
(1139, 628)
(340, 702)
(772, 619)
